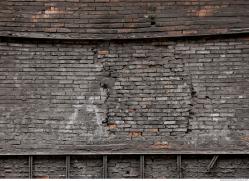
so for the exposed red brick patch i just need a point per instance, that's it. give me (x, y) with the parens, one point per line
(207, 10)
(154, 130)
(160, 145)
(135, 133)
(131, 110)
(103, 52)
(245, 138)
(46, 14)
(112, 125)
(189, 32)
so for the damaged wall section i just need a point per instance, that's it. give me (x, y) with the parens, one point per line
(124, 95)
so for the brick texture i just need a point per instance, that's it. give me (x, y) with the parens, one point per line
(80, 76)
(47, 167)
(86, 167)
(159, 95)
(14, 167)
(123, 167)
(163, 167)
(108, 19)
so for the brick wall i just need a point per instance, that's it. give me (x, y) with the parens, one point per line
(130, 95)
(159, 95)
(227, 166)
(86, 167)
(107, 19)
(14, 167)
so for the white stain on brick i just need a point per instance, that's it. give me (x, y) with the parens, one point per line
(74, 116)
(100, 131)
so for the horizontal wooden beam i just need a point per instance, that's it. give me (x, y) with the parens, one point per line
(129, 153)
(124, 38)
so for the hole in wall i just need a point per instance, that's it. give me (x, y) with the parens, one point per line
(152, 20)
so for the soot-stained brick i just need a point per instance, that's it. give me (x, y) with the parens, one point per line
(86, 167)
(121, 19)
(123, 167)
(137, 95)
(13, 167)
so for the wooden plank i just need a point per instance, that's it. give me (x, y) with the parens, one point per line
(104, 166)
(30, 167)
(131, 153)
(179, 166)
(141, 166)
(67, 166)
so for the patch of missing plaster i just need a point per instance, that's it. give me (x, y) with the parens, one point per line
(208, 10)
(46, 14)
(245, 138)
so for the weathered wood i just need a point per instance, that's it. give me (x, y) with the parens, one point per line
(130, 153)
(204, 19)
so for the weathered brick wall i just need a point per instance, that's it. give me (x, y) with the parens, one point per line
(159, 95)
(229, 166)
(121, 18)
(14, 167)
(160, 166)
(86, 167)
(123, 167)
(51, 167)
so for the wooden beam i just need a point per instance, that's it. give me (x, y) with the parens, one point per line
(104, 166)
(30, 167)
(212, 162)
(67, 166)
(141, 166)
(179, 166)
(131, 153)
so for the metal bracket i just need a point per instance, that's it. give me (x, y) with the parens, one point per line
(141, 166)
(212, 162)
(67, 166)
(105, 166)
(179, 166)
(30, 167)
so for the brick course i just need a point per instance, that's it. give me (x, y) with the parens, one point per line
(121, 18)
(174, 95)
(80, 76)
